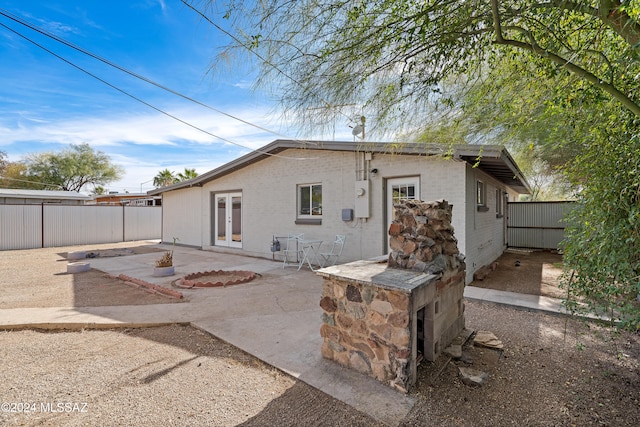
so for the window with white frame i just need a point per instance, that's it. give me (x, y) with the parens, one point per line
(481, 194)
(499, 203)
(310, 201)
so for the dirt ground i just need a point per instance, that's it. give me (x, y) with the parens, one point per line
(526, 272)
(553, 371)
(39, 278)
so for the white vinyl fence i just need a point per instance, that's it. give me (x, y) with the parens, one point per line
(44, 226)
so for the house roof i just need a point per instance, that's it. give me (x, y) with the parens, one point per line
(42, 194)
(495, 160)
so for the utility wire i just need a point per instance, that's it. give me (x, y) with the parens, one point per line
(46, 33)
(114, 87)
(32, 182)
(262, 58)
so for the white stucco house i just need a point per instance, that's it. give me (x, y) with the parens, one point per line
(324, 189)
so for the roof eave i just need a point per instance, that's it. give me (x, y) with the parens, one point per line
(473, 154)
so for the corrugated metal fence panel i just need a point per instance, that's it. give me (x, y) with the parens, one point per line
(20, 227)
(142, 223)
(537, 224)
(538, 214)
(534, 238)
(75, 225)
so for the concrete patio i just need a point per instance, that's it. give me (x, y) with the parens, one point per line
(276, 317)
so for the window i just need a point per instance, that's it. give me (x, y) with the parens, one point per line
(403, 192)
(481, 197)
(310, 201)
(481, 194)
(499, 203)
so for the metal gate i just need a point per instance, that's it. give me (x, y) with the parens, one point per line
(536, 225)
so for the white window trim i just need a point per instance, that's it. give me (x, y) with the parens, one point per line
(481, 196)
(499, 203)
(299, 202)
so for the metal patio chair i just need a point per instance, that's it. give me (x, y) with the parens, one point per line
(332, 257)
(293, 250)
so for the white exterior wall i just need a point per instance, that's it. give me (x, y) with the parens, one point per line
(181, 216)
(269, 200)
(485, 231)
(439, 179)
(269, 203)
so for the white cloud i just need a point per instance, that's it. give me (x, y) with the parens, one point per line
(243, 84)
(144, 129)
(143, 144)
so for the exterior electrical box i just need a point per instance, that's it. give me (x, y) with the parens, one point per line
(362, 199)
(347, 214)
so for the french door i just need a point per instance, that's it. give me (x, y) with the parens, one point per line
(227, 208)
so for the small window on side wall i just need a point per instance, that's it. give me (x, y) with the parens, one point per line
(499, 204)
(309, 204)
(481, 196)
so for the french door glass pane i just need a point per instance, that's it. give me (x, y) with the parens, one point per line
(236, 219)
(222, 218)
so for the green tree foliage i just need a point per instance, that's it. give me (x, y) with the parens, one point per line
(72, 169)
(603, 244)
(15, 176)
(391, 55)
(99, 190)
(3, 161)
(572, 68)
(545, 122)
(164, 178)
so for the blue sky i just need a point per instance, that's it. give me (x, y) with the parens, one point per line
(47, 104)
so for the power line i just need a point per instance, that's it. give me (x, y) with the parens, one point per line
(144, 102)
(32, 182)
(262, 58)
(46, 33)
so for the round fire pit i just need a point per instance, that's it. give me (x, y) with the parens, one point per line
(216, 278)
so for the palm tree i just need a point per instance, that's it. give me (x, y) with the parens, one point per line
(187, 175)
(164, 178)
(99, 190)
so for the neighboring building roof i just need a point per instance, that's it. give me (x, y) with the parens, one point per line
(495, 160)
(116, 199)
(42, 194)
(118, 196)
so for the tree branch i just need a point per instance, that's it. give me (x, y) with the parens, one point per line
(608, 12)
(579, 71)
(497, 25)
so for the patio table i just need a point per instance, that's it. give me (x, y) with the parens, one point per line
(310, 249)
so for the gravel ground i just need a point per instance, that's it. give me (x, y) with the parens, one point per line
(553, 371)
(38, 278)
(174, 375)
